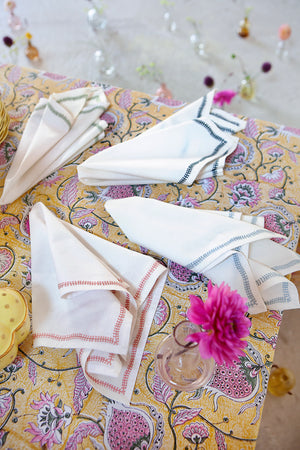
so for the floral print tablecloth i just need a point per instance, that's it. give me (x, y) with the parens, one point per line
(45, 400)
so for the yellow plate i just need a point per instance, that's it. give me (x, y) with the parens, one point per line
(14, 324)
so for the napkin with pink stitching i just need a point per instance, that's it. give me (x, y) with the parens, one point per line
(94, 296)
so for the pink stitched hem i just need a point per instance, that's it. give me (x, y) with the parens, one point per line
(89, 283)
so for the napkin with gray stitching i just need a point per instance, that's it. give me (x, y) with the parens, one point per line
(224, 246)
(192, 144)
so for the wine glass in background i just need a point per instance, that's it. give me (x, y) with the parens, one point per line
(98, 23)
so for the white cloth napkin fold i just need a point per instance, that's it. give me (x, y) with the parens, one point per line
(191, 144)
(95, 296)
(223, 246)
(58, 130)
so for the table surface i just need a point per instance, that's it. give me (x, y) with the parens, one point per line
(44, 397)
(136, 34)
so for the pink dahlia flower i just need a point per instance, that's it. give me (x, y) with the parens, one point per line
(222, 97)
(223, 322)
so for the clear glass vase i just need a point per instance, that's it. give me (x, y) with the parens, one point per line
(179, 363)
(247, 89)
(169, 21)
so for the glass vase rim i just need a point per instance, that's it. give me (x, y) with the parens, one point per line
(188, 344)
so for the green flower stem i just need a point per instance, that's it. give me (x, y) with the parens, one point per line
(91, 419)
(43, 366)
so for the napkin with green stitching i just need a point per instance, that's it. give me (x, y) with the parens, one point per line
(59, 129)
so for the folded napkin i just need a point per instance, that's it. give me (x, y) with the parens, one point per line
(94, 296)
(58, 130)
(223, 246)
(191, 144)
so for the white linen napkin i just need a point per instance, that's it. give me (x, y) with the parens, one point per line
(58, 130)
(191, 144)
(223, 246)
(95, 296)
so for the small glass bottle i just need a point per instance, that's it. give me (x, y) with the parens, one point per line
(31, 51)
(14, 21)
(244, 28)
(179, 363)
(167, 15)
(96, 19)
(284, 33)
(247, 89)
(103, 63)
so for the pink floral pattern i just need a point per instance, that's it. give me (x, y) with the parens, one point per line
(196, 432)
(127, 427)
(160, 313)
(51, 418)
(6, 260)
(5, 402)
(243, 154)
(44, 391)
(244, 193)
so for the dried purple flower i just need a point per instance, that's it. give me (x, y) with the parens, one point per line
(266, 67)
(209, 81)
(8, 41)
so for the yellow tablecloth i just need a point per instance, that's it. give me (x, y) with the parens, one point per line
(44, 397)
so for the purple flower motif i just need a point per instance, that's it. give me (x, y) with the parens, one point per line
(110, 118)
(160, 313)
(244, 193)
(278, 224)
(8, 41)
(275, 151)
(266, 67)
(220, 440)
(127, 427)
(6, 260)
(7, 151)
(144, 120)
(277, 316)
(182, 273)
(50, 420)
(187, 201)
(195, 432)
(208, 185)
(274, 176)
(276, 193)
(53, 76)
(120, 191)
(161, 390)
(51, 179)
(209, 81)
(88, 222)
(251, 129)
(5, 402)
(17, 364)
(164, 101)
(242, 155)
